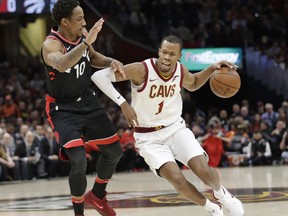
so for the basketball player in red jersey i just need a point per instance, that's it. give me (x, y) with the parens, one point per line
(160, 132)
(73, 109)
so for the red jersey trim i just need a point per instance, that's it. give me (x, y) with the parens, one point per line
(158, 73)
(104, 141)
(67, 41)
(182, 76)
(47, 110)
(146, 77)
(74, 143)
(49, 98)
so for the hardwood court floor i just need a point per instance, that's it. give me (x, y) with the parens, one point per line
(263, 190)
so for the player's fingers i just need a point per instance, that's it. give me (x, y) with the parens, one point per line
(134, 120)
(97, 26)
(99, 22)
(118, 67)
(123, 75)
(136, 123)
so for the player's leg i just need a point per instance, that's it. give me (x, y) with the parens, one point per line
(100, 131)
(77, 177)
(67, 129)
(161, 161)
(172, 173)
(192, 154)
(210, 177)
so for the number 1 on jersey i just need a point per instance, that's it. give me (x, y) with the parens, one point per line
(160, 107)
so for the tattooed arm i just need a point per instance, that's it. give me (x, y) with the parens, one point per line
(54, 54)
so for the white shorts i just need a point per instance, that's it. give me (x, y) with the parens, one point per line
(167, 144)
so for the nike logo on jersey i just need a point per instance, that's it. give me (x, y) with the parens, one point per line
(119, 97)
(175, 78)
(151, 80)
(99, 206)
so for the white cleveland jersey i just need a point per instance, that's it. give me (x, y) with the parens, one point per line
(158, 100)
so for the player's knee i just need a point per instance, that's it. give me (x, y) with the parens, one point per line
(178, 180)
(112, 152)
(78, 160)
(79, 166)
(116, 152)
(205, 174)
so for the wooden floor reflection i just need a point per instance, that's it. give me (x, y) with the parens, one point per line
(263, 190)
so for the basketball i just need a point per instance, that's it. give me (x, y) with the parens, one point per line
(225, 82)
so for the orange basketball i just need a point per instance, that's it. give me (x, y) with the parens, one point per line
(225, 82)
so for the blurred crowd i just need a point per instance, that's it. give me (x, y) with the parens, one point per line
(204, 23)
(244, 135)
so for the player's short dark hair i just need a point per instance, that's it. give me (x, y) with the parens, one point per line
(173, 39)
(63, 9)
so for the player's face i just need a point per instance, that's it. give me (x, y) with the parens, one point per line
(76, 23)
(169, 54)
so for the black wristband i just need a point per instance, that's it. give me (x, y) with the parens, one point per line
(86, 43)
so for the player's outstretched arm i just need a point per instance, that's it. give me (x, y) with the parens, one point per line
(103, 79)
(194, 81)
(56, 56)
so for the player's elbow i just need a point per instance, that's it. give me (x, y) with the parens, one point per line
(61, 68)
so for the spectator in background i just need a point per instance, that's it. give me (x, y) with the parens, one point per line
(255, 124)
(224, 120)
(235, 110)
(260, 108)
(23, 110)
(276, 137)
(6, 141)
(9, 110)
(37, 83)
(259, 151)
(20, 136)
(240, 139)
(270, 116)
(244, 113)
(43, 148)
(28, 156)
(10, 143)
(283, 112)
(284, 148)
(7, 165)
(212, 143)
(266, 130)
(49, 152)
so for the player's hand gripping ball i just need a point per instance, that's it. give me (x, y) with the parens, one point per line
(225, 82)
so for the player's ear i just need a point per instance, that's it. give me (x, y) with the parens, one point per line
(159, 50)
(64, 21)
(180, 55)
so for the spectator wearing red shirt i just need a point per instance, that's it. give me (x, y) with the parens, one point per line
(9, 109)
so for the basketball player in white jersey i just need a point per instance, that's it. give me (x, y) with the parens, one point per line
(160, 132)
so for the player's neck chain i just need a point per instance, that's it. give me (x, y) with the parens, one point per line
(165, 77)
